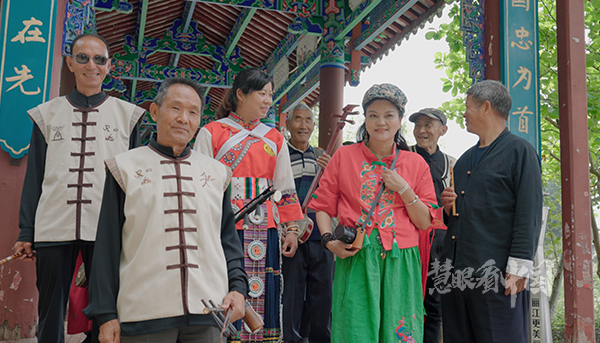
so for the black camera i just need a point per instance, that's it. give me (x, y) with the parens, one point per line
(345, 234)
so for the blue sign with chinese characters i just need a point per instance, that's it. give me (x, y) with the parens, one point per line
(25, 68)
(520, 67)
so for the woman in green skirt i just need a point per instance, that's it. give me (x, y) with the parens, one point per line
(382, 195)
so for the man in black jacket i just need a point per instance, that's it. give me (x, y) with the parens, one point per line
(491, 241)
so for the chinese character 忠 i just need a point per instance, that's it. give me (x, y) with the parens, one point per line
(34, 35)
(23, 75)
(521, 33)
(525, 75)
(521, 3)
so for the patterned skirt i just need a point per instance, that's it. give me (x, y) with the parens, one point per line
(262, 262)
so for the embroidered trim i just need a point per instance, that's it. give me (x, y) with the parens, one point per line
(111, 164)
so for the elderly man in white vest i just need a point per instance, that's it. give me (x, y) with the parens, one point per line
(72, 136)
(166, 234)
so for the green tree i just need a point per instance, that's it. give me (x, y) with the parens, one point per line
(458, 81)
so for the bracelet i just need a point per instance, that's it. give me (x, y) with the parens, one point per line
(326, 238)
(292, 228)
(414, 201)
(404, 189)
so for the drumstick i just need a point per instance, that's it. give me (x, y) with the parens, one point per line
(10, 258)
(452, 185)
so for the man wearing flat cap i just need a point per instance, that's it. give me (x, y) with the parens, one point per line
(430, 125)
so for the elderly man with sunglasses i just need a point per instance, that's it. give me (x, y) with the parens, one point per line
(62, 193)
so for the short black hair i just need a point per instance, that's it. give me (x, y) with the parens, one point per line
(164, 87)
(89, 35)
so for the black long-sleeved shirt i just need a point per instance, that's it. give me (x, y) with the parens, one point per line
(104, 281)
(438, 166)
(36, 167)
(499, 207)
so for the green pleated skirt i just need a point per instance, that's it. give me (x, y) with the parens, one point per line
(378, 299)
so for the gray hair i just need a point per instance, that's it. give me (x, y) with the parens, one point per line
(494, 92)
(300, 106)
(164, 87)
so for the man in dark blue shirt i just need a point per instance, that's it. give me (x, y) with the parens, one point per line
(308, 276)
(491, 241)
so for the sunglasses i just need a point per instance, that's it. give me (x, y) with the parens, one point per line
(82, 58)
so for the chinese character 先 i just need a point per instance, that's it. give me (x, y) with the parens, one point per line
(525, 75)
(34, 35)
(23, 75)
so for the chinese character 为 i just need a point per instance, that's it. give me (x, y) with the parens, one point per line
(525, 75)
(523, 119)
(521, 3)
(521, 33)
(490, 278)
(23, 75)
(34, 35)
(441, 275)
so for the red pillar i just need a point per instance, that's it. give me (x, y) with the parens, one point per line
(492, 45)
(576, 216)
(331, 102)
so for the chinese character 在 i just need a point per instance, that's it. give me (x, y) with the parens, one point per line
(22, 76)
(523, 119)
(521, 34)
(525, 75)
(521, 3)
(34, 35)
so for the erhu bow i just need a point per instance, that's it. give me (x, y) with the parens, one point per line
(305, 227)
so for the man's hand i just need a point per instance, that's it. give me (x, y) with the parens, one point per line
(448, 198)
(290, 244)
(110, 332)
(323, 161)
(238, 305)
(28, 254)
(341, 249)
(515, 284)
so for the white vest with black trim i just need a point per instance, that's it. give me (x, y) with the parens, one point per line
(79, 140)
(171, 255)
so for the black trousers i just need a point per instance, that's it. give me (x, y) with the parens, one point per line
(308, 275)
(492, 317)
(433, 301)
(55, 266)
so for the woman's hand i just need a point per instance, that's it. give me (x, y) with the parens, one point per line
(393, 180)
(341, 249)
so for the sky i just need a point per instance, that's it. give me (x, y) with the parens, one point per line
(410, 67)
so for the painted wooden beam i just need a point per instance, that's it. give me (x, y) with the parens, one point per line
(379, 25)
(356, 17)
(285, 48)
(157, 73)
(188, 13)
(298, 75)
(141, 27)
(303, 8)
(238, 29)
(121, 6)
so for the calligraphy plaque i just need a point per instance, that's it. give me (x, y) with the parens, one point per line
(520, 67)
(25, 68)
